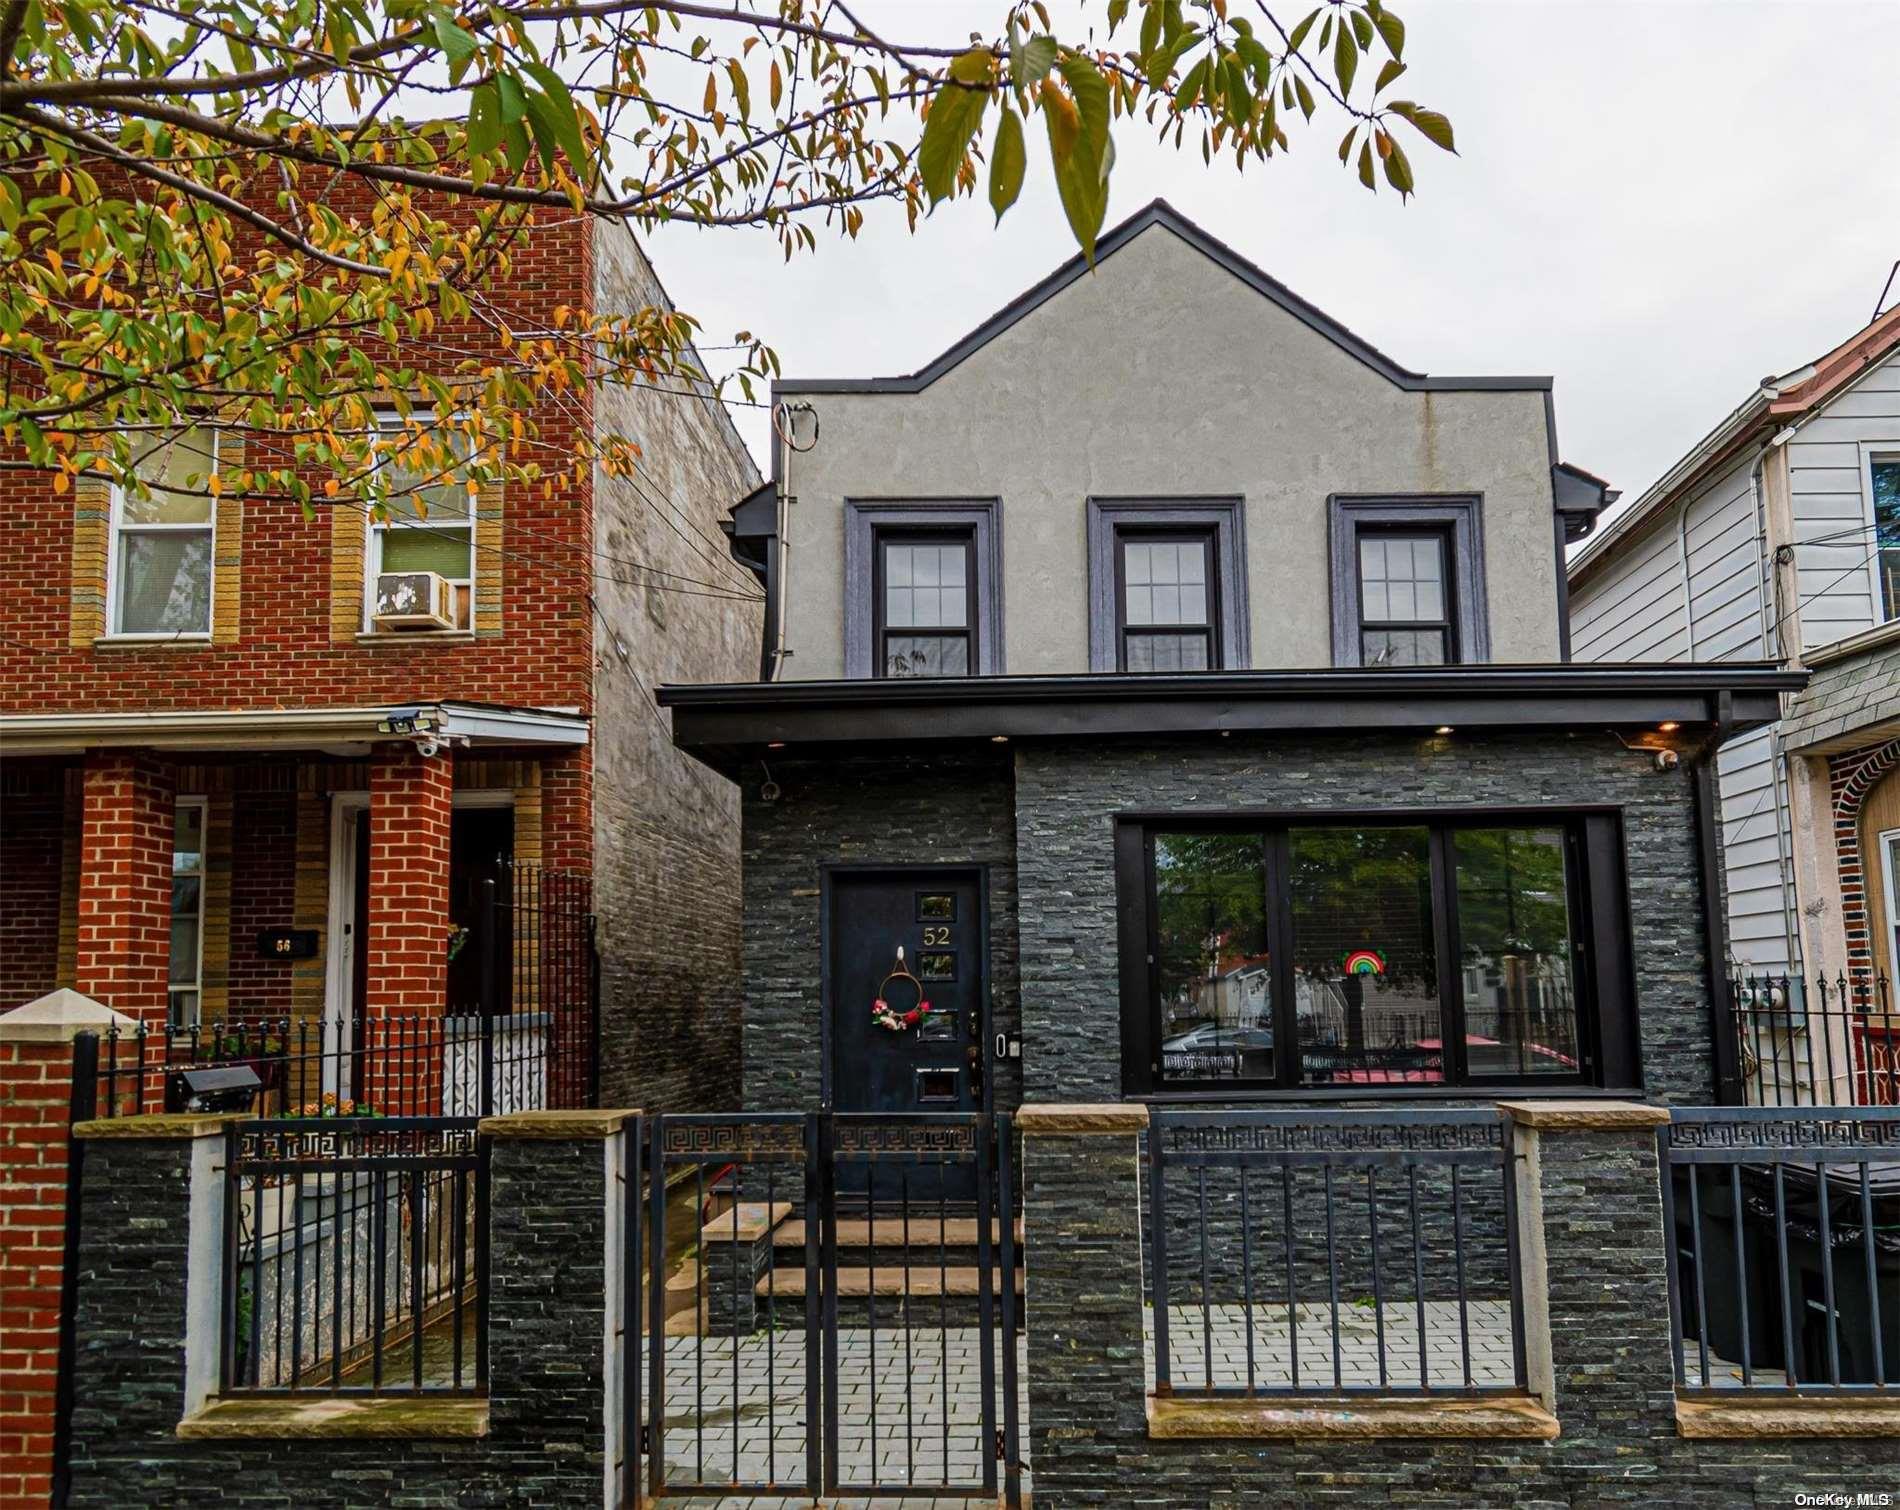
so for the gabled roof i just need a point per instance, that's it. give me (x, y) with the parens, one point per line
(1160, 213)
(1779, 401)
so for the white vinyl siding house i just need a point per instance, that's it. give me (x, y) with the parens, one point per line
(1693, 580)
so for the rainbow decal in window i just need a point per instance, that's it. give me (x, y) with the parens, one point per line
(1363, 962)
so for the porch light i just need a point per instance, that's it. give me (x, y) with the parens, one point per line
(1669, 727)
(999, 739)
(775, 744)
(1442, 729)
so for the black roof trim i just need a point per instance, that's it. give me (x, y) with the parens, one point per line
(723, 723)
(1160, 213)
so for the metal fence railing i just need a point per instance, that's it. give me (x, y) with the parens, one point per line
(1816, 1041)
(355, 1257)
(1334, 1252)
(1785, 1232)
(379, 1067)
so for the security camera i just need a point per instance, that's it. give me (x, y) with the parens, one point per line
(1667, 760)
(427, 747)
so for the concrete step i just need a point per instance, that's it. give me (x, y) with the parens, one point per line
(919, 1233)
(917, 1299)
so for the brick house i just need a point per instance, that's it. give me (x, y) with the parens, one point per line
(212, 750)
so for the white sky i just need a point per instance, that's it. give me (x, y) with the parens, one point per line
(1657, 202)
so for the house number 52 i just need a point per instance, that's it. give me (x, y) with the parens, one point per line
(936, 937)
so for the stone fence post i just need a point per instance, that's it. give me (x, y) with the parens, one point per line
(149, 1429)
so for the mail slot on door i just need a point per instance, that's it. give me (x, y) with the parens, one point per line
(939, 1086)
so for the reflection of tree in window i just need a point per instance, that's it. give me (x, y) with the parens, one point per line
(1212, 964)
(1514, 929)
(1886, 480)
(1365, 888)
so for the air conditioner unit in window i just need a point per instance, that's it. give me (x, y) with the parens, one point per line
(413, 600)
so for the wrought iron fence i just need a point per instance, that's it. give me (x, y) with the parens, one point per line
(392, 1067)
(1334, 1253)
(1785, 1230)
(355, 1257)
(1816, 1041)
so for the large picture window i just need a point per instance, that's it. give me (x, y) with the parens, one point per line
(1371, 955)
(162, 529)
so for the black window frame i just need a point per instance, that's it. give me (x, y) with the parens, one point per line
(1608, 1042)
(1447, 623)
(923, 534)
(1459, 515)
(1205, 536)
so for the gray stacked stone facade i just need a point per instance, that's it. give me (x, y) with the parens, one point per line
(1040, 814)
(942, 808)
(546, 1441)
(1610, 1350)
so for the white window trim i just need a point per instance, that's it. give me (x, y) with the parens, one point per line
(374, 532)
(197, 987)
(116, 529)
(1871, 452)
(1883, 851)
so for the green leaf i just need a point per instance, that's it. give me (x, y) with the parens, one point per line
(1393, 68)
(562, 119)
(1365, 164)
(514, 99)
(458, 45)
(1117, 13)
(1082, 185)
(1038, 57)
(1428, 123)
(1362, 29)
(1008, 161)
(1299, 32)
(1150, 29)
(955, 113)
(1345, 59)
(1398, 169)
(1091, 101)
(1392, 29)
(973, 67)
(1259, 61)
(1305, 95)
(484, 119)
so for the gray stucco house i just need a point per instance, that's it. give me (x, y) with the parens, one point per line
(1171, 690)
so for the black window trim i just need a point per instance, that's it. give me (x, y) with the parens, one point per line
(983, 517)
(1204, 535)
(1224, 515)
(1609, 1047)
(1447, 623)
(925, 534)
(1459, 515)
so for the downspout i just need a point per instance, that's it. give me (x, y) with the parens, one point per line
(1724, 1041)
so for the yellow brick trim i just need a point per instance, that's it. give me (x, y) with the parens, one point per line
(528, 822)
(347, 544)
(227, 547)
(310, 908)
(92, 539)
(214, 958)
(488, 561)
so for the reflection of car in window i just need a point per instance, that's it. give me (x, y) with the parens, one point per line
(1211, 1051)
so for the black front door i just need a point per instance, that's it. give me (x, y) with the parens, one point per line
(915, 940)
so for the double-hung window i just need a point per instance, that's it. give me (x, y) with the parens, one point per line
(1166, 592)
(1408, 580)
(1405, 598)
(1365, 953)
(926, 603)
(162, 529)
(185, 973)
(428, 525)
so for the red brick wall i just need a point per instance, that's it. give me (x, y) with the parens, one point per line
(35, 1097)
(125, 894)
(1850, 778)
(263, 895)
(410, 797)
(30, 853)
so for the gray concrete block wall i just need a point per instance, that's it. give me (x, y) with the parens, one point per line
(546, 1441)
(1611, 1368)
(666, 828)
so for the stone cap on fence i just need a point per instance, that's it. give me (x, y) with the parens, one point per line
(60, 1017)
(1585, 1116)
(1083, 1119)
(159, 1125)
(559, 1126)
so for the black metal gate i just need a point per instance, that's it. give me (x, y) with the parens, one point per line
(802, 1343)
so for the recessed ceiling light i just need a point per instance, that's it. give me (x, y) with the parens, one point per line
(1442, 729)
(777, 744)
(999, 739)
(1670, 727)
